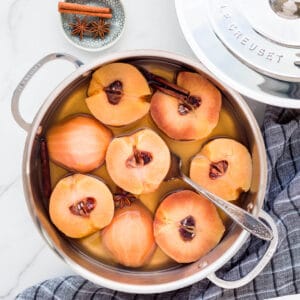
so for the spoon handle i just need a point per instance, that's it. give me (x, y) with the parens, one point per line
(237, 214)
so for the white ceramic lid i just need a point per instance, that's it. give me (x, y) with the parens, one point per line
(252, 45)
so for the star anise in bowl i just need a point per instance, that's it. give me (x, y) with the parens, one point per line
(99, 28)
(80, 27)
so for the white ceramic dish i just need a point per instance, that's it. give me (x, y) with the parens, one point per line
(88, 43)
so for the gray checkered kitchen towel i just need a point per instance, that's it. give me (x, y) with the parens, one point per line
(281, 276)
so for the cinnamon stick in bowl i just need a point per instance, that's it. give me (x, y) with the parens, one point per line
(87, 10)
(81, 7)
(86, 13)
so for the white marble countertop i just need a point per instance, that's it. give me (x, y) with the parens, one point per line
(30, 29)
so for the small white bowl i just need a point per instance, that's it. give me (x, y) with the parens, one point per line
(88, 43)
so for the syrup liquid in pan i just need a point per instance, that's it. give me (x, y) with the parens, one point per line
(228, 126)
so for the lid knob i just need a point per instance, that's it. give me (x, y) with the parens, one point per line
(289, 9)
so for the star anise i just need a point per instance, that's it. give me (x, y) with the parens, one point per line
(99, 28)
(79, 27)
(123, 198)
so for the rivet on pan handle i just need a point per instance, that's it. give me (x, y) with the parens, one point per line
(19, 89)
(259, 267)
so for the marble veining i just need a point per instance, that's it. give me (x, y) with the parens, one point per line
(5, 188)
(29, 30)
(19, 276)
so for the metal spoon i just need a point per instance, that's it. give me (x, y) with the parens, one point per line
(237, 214)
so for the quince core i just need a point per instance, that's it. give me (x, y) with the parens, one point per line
(80, 205)
(117, 94)
(188, 118)
(187, 226)
(223, 167)
(138, 162)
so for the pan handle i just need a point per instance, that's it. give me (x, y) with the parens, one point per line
(19, 89)
(259, 267)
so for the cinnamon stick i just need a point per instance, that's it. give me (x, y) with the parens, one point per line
(85, 13)
(81, 7)
(46, 179)
(159, 82)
